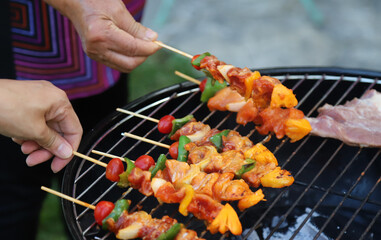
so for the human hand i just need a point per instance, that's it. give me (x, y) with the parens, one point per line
(39, 116)
(108, 32)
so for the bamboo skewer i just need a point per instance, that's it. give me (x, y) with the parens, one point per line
(186, 77)
(126, 134)
(138, 115)
(79, 202)
(89, 159)
(173, 49)
(107, 154)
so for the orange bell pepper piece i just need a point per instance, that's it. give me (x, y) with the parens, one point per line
(260, 154)
(189, 194)
(227, 219)
(282, 97)
(296, 129)
(251, 200)
(277, 178)
(249, 81)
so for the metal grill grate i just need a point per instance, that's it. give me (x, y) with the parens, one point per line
(336, 194)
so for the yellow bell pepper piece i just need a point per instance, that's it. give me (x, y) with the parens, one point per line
(261, 154)
(189, 194)
(251, 200)
(249, 81)
(296, 129)
(283, 97)
(227, 219)
(277, 178)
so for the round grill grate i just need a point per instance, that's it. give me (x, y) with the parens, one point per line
(336, 193)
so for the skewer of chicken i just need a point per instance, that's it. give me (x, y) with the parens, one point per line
(255, 164)
(126, 225)
(171, 181)
(268, 103)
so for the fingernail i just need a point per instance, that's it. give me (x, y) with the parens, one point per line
(64, 151)
(150, 35)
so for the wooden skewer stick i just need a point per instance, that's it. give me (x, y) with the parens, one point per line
(126, 134)
(89, 159)
(79, 202)
(107, 154)
(137, 115)
(186, 77)
(173, 49)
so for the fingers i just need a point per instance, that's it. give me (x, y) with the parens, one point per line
(38, 157)
(122, 62)
(58, 164)
(43, 155)
(27, 147)
(59, 136)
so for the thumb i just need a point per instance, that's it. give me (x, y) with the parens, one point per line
(56, 144)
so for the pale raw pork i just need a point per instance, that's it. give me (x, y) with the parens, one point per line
(357, 122)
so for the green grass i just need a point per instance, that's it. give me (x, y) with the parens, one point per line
(155, 73)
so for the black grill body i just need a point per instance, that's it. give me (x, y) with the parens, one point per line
(336, 194)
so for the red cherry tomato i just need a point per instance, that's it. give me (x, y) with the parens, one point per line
(144, 162)
(114, 169)
(165, 124)
(174, 150)
(194, 57)
(202, 84)
(102, 210)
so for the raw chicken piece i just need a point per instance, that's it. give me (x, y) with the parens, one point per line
(357, 122)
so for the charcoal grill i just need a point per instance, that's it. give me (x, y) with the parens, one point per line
(336, 194)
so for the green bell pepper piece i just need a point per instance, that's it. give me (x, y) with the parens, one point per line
(182, 153)
(178, 123)
(217, 139)
(171, 233)
(210, 89)
(123, 181)
(245, 168)
(198, 60)
(120, 206)
(160, 165)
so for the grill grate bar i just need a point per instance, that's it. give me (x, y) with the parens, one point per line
(370, 225)
(325, 96)
(348, 90)
(310, 91)
(347, 194)
(358, 209)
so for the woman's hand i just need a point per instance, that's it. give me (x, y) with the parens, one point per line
(109, 33)
(39, 116)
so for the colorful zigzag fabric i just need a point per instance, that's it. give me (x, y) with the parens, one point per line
(47, 47)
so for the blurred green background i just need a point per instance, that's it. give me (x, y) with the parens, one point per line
(155, 73)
